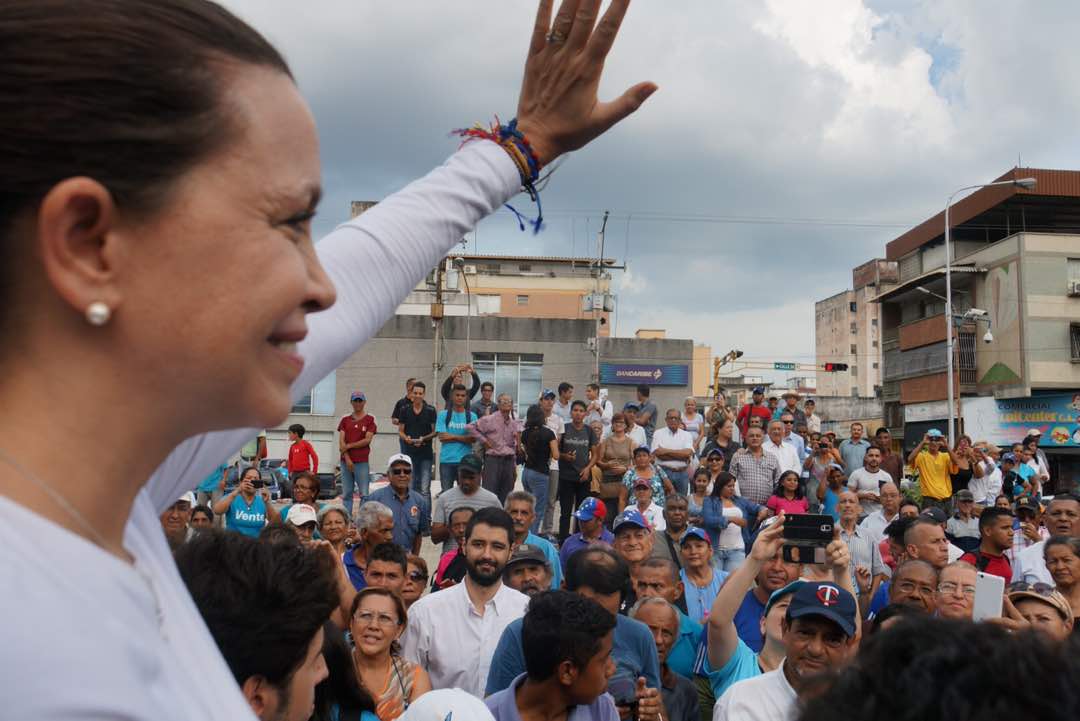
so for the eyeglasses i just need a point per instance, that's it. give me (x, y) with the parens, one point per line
(788, 423)
(400, 471)
(417, 576)
(911, 587)
(1043, 589)
(366, 618)
(949, 587)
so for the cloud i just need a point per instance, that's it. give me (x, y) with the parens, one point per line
(784, 112)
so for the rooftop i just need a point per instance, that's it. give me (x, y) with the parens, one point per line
(990, 214)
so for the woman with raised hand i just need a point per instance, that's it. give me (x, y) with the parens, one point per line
(158, 156)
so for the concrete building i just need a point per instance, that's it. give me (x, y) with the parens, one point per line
(520, 356)
(847, 330)
(1016, 257)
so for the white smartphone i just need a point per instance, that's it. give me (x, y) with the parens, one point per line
(989, 590)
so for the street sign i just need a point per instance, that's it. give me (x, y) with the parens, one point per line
(783, 366)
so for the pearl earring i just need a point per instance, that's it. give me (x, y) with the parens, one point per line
(97, 313)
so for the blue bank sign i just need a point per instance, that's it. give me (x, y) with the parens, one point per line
(648, 375)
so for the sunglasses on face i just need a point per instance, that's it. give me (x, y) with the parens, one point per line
(400, 471)
(416, 576)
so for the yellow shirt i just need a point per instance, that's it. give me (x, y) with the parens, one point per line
(934, 481)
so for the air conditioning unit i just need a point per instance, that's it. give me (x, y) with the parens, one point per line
(1074, 288)
(470, 270)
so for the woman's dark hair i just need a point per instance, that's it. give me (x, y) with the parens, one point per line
(534, 417)
(262, 602)
(130, 94)
(205, 510)
(310, 478)
(702, 472)
(244, 471)
(402, 612)
(778, 489)
(937, 670)
(618, 417)
(601, 569)
(893, 610)
(722, 479)
(562, 626)
(341, 688)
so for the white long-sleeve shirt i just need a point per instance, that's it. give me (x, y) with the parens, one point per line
(88, 636)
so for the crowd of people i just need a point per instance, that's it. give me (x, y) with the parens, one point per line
(146, 142)
(665, 559)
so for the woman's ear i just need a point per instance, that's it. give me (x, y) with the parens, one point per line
(78, 242)
(260, 695)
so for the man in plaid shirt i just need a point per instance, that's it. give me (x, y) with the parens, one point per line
(755, 470)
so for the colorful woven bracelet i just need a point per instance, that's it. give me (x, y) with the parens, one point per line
(517, 146)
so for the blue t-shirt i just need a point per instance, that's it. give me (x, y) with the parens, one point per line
(246, 518)
(412, 516)
(748, 621)
(699, 600)
(681, 656)
(742, 665)
(503, 706)
(210, 483)
(829, 505)
(633, 651)
(575, 543)
(879, 601)
(454, 451)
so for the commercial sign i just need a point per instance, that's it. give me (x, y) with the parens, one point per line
(929, 411)
(1008, 420)
(648, 375)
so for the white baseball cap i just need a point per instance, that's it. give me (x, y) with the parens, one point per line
(301, 513)
(398, 458)
(189, 497)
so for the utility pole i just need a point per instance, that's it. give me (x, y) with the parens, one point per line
(436, 322)
(598, 310)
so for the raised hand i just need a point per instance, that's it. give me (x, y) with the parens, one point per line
(769, 540)
(558, 109)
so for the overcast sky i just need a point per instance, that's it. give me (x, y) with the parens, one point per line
(855, 118)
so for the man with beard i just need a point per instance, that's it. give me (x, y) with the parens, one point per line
(528, 570)
(819, 633)
(452, 634)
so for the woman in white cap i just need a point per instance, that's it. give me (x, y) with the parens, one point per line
(161, 172)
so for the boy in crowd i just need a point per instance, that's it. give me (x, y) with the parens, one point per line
(302, 455)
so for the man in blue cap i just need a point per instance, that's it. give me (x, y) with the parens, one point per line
(634, 541)
(724, 658)
(819, 633)
(590, 516)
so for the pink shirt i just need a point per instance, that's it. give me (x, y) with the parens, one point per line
(779, 503)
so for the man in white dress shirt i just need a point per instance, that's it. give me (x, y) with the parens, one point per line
(819, 634)
(874, 524)
(673, 448)
(452, 633)
(786, 454)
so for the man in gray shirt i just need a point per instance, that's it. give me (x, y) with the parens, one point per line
(466, 494)
(853, 449)
(866, 481)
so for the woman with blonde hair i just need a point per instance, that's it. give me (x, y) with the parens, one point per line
(378, 619)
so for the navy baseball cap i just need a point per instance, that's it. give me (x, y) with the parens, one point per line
(630, 517)
(357, 396)
(827, 600)
(547, 393)
(1008, 458)
(779, 593)
(694, 532)
(935, 513)
(759, 389)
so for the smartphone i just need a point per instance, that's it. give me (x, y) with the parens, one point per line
(623, 690)
(258, 483)
(989, 590)
(805, 537)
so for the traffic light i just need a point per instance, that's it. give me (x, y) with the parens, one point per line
(835, 367)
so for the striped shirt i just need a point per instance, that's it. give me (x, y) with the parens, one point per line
(864, 551)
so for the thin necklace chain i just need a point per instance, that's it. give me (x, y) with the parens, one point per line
(73, 512)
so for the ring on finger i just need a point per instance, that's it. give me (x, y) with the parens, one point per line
(556, 38)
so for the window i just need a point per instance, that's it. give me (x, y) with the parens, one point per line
(525, 267)
(853, 306)
(873, 344)
(1074, 268)
(488, 304)
(490, 268)
(854, 349)
(1074, 341)
(320, 400)
(519, 374)
(854, 328)
(523, 300)
(873, 321)
(854, 391)
(875, 366)
(854, 370)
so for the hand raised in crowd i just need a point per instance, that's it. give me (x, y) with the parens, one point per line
(837, 555)
(650, 704)
(769, 540)
(558, 109)
(863, 578)
(1011, 620)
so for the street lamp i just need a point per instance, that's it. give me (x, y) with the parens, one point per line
(1027, 183)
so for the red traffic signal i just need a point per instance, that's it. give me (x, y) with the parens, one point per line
(835, 367)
